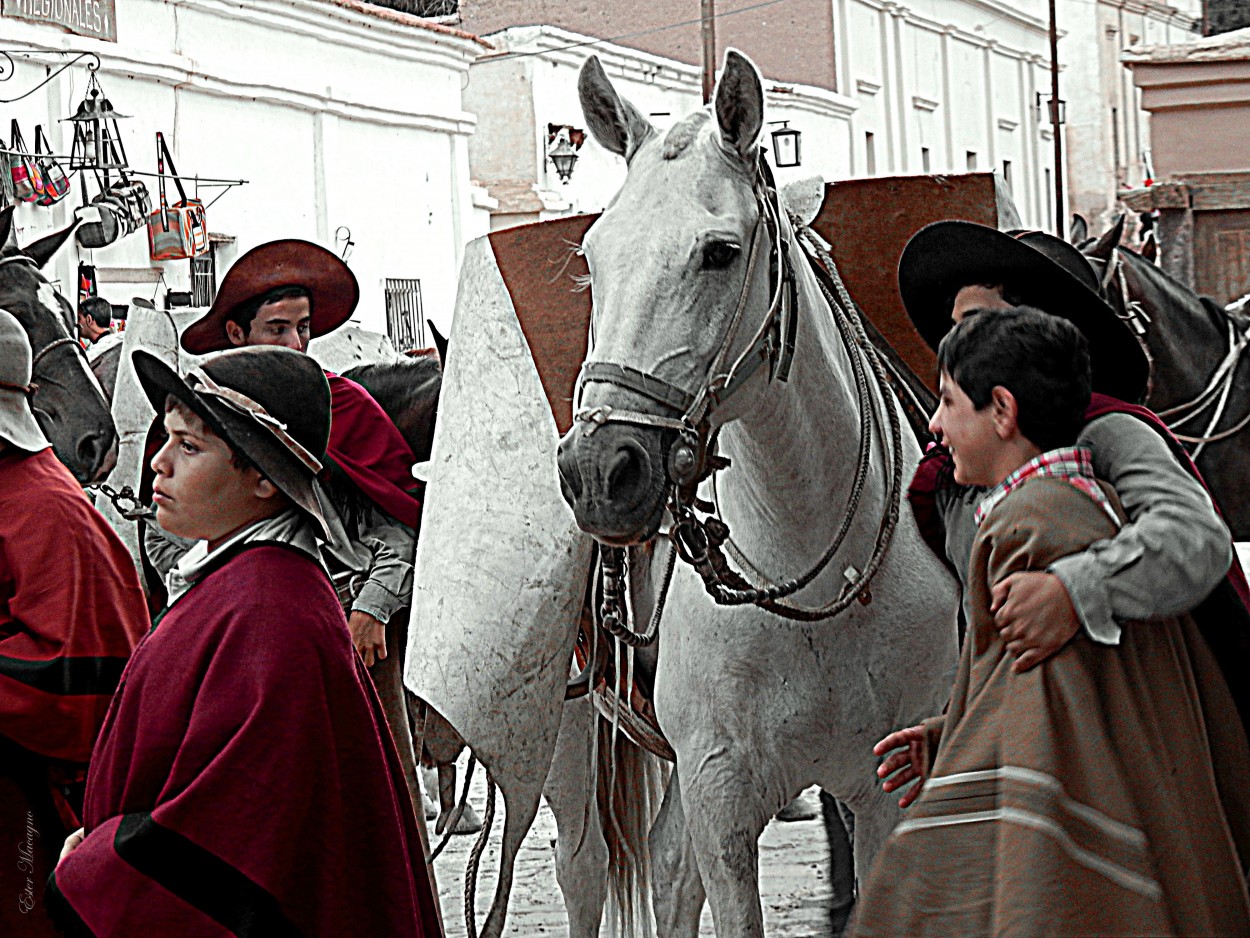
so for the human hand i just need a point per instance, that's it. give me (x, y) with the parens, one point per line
(368, 636)
(1034, 616)
(902, 766)
(72, 843)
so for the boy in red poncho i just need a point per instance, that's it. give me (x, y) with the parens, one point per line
(245, 781)
(71, 611)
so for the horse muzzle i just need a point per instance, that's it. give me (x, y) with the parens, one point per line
(615, 479)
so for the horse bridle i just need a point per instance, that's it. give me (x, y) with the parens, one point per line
(699, 542)
(52, 346)
(1218, 389)
(688, 461)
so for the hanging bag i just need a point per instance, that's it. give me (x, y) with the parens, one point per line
(133, 196)
(55, 184)
(101, 224)
(177, 231)
(22, 168)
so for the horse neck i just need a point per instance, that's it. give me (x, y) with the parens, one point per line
(793, 456)
(1186, 343)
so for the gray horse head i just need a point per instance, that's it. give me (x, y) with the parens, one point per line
(68, 403)
(670, 261)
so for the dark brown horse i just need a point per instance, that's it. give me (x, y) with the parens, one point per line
(1199, 373)
(67, 402)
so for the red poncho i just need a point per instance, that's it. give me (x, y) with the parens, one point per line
(245, 781)
(366, 445)
(71, 608)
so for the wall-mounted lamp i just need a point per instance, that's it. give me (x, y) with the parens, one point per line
(786, 146)
(97, 139)
(563, 142)
(1043, 106)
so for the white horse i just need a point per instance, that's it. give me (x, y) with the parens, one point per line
(756, 706)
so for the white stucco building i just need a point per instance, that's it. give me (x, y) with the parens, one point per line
(340, 116)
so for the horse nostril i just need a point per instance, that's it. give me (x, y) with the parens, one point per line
(570, 475)
(92, 449)
(626, 470)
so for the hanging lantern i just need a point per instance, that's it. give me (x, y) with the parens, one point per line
(563, 142)
(786, 146)
(97, 139)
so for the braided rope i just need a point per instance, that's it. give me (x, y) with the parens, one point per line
(457, 812)
(475, 858)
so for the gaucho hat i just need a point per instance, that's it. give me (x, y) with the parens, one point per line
(1048, 272)
(270, 403)
(332, 289)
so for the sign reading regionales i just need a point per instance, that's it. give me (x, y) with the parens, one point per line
(95, 18)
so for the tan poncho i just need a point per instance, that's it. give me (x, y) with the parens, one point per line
(1104, 792)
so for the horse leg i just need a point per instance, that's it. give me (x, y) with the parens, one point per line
(725, 815)
(517, 822)
(840, 830)
(679, 894)
(581, 850)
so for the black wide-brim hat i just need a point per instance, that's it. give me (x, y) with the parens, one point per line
(1051, 274)
(270, 403)
(331, 285)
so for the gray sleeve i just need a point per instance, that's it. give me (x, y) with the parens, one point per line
(1168, 557)
(163, 549)
(389, 585)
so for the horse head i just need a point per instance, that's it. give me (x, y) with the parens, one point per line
(68, 403)
(680, 273)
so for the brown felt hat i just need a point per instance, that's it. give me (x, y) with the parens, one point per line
(1052, 274)
(332, 288)
(267, 402)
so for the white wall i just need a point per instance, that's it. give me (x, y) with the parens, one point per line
(952, 77)
(337, 114)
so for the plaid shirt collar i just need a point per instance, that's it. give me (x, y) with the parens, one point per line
(1072, 464)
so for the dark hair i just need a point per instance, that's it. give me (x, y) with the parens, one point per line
(237, 459)
(98, 310)
(1041, 359)
(244, 313)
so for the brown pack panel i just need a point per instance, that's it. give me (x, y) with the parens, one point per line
(869, 222)
(539, 263)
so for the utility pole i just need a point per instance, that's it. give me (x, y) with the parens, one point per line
(1060, 226)
(708, 26)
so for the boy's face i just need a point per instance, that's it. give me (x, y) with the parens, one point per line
(198, 493)
(968, 433)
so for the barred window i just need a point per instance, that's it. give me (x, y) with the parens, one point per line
(405, 323)
(204, 278)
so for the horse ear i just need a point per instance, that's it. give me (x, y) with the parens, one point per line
(1150, 250)
(614, 122)
(6, 227)
(439, 340)
(43, 249)
(1103, 248)
(1078, 231)
(739, 104)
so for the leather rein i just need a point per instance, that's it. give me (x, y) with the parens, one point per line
(701, 541)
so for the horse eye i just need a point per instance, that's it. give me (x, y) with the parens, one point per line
(717, 255)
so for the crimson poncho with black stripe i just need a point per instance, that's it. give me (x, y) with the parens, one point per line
(245, 782)
(71, 609)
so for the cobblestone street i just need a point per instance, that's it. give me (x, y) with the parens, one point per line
(793, 879)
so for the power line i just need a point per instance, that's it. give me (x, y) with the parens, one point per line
(642, 32)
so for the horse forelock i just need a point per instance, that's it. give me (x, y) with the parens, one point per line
(684, 133)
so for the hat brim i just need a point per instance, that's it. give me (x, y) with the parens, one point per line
(18, 426)
(291, 262)
(270, 456)
(948, 255)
